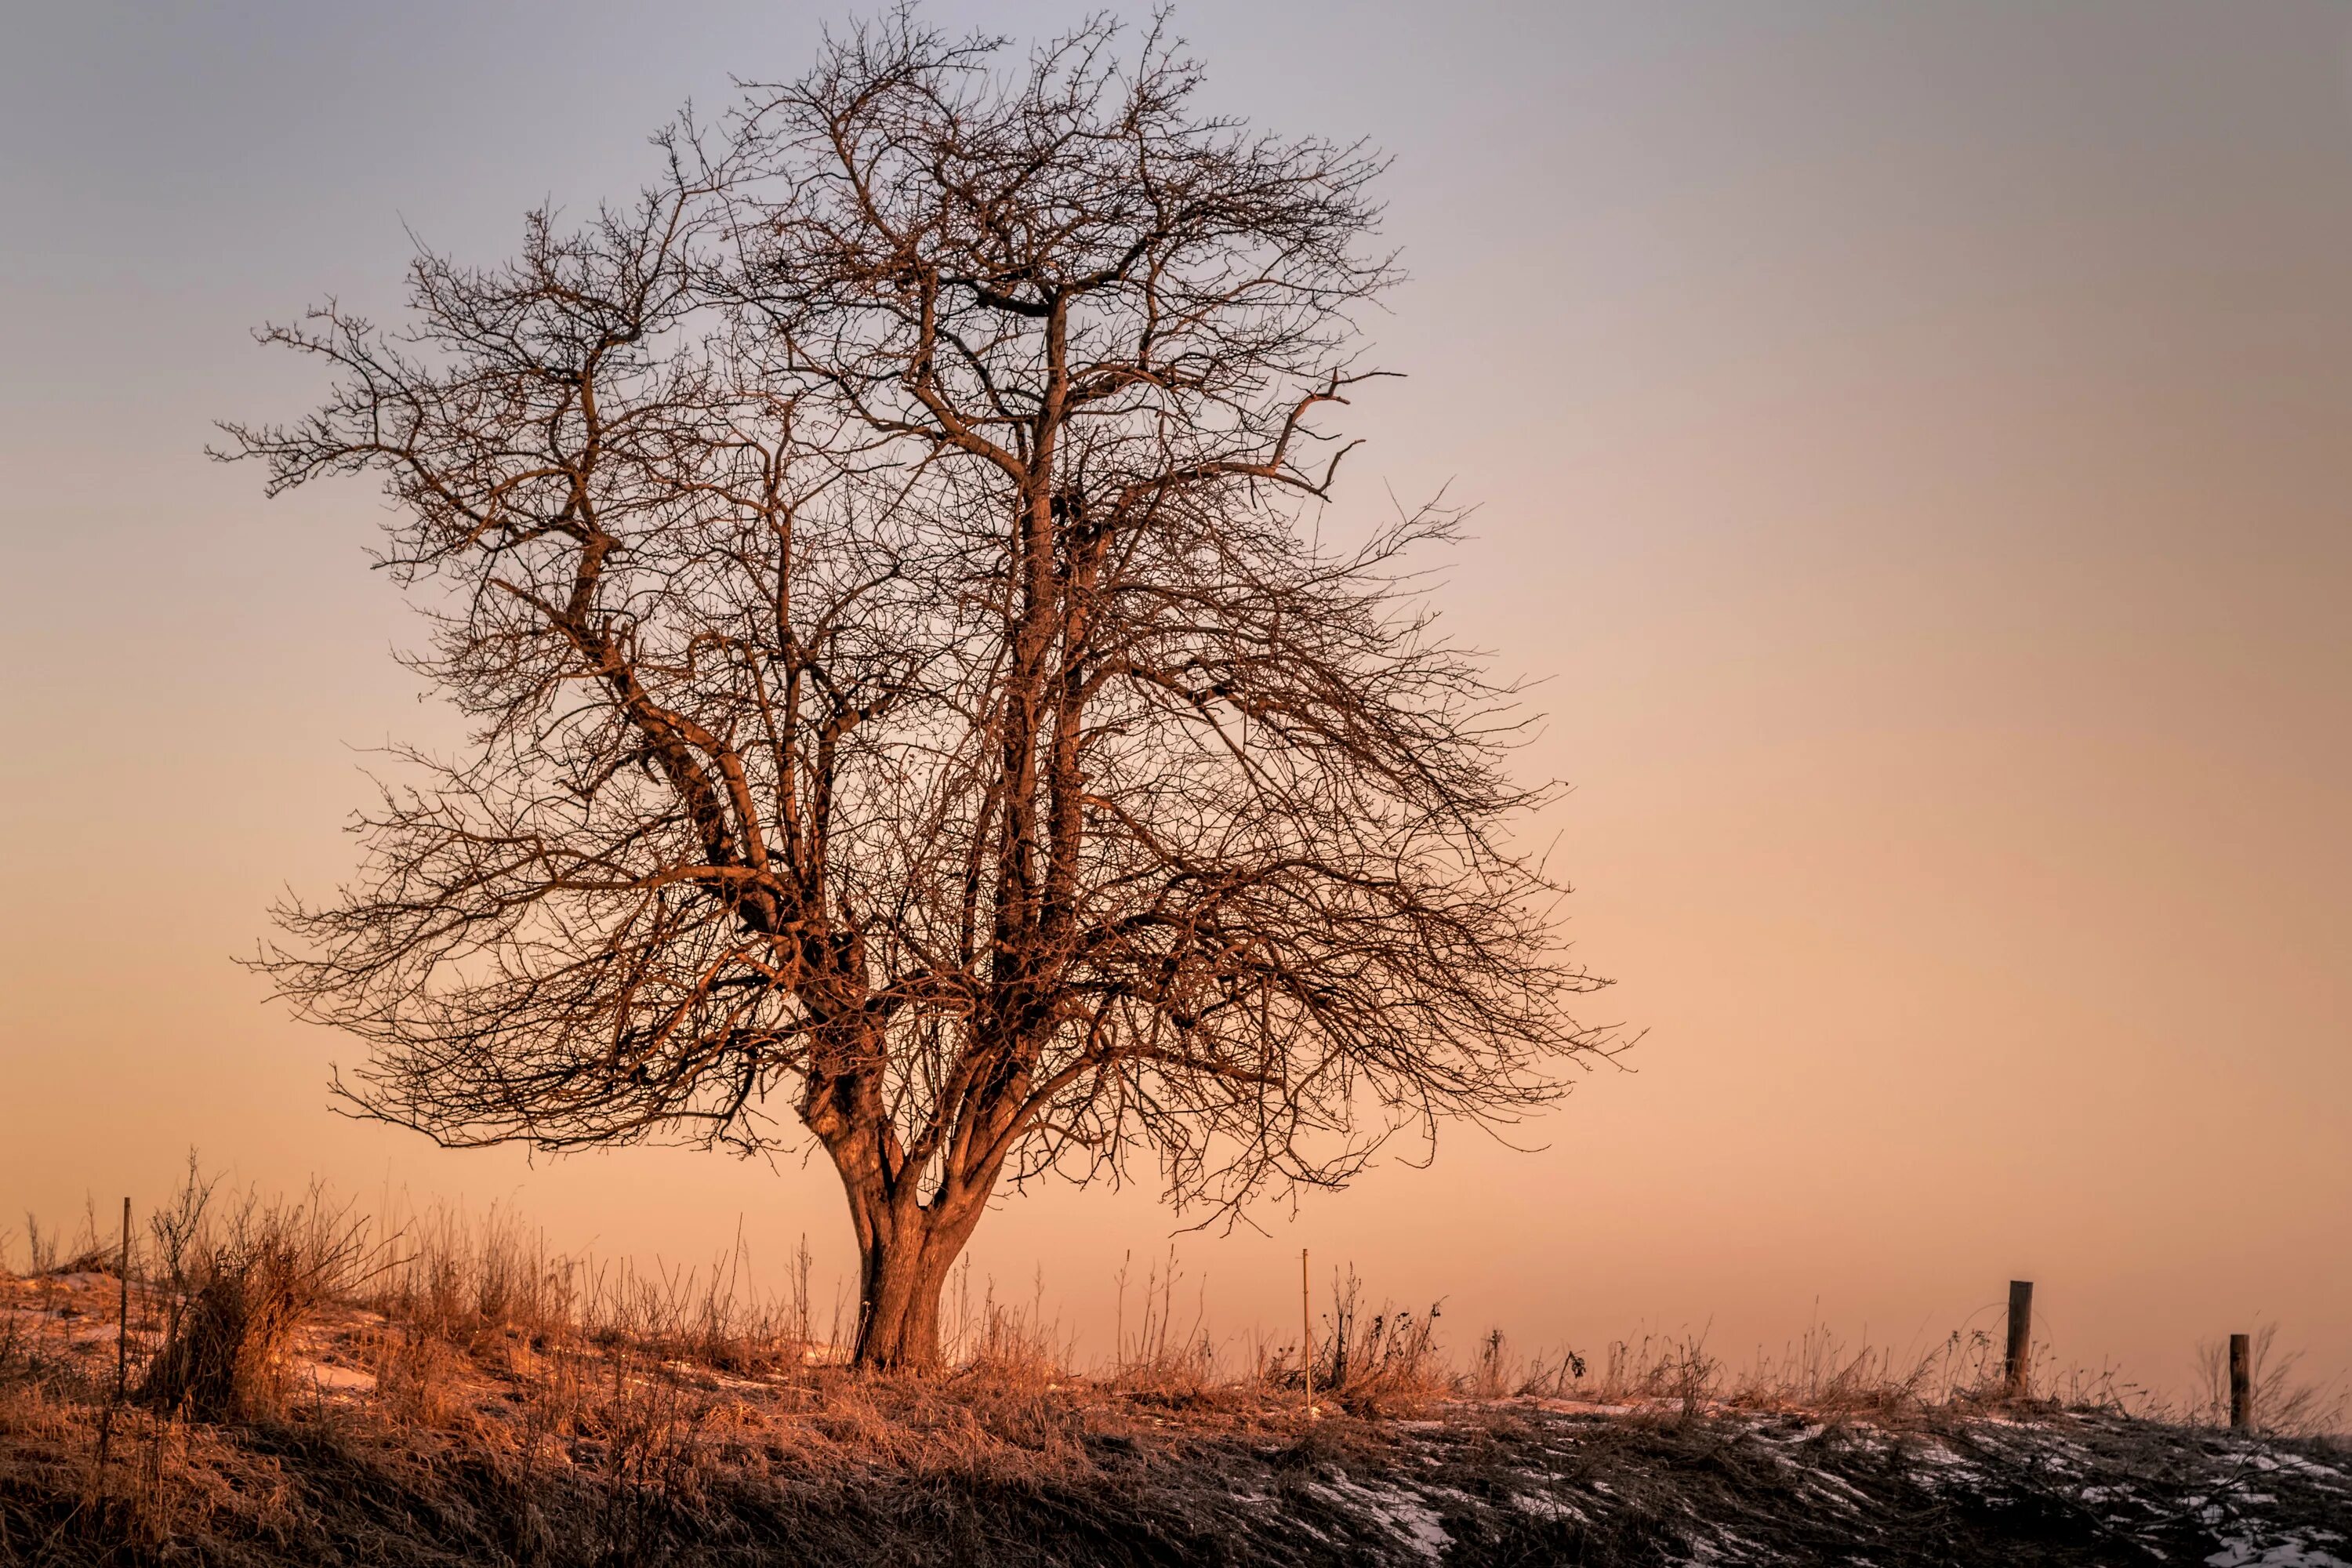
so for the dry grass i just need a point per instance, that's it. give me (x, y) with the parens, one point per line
(297, 1373)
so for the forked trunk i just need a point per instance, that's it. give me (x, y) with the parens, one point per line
(905, 1243)
(905, 1249)
(898, 1308)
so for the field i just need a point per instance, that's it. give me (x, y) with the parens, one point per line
(288, 1387)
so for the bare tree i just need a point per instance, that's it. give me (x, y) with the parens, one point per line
(905, 686)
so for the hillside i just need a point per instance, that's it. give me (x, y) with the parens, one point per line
(378, 1441)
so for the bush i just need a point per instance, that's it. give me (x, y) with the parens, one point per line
(236, 1292)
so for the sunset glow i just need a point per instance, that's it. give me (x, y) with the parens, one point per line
(1904, 455)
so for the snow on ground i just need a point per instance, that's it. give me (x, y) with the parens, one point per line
(2294, 1552)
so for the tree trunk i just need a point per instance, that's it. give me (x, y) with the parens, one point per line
(906, 1245)
(899, 1305)
(904, 1254)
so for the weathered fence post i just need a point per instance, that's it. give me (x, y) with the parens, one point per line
(1306, 1336)
(122, 1323)
(2015, 1367)
(2242, 1383)
(121, 1348)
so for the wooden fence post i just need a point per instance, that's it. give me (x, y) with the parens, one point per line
(122, 1323)
(121, 1351)
(2242, 1383)
(2018, 1364)
(1305, 1337)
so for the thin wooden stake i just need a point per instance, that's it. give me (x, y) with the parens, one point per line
(2242, 1383)
(121, 1351)
(2020, 1337)
(122, 1322)
(1305, 1337)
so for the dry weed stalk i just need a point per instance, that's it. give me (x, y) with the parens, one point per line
(1156, 1358)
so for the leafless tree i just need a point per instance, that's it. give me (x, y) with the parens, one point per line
(879, 565)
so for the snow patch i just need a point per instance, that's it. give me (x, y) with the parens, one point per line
(1399, 1511)
(336, 1379)
(2294, 1552)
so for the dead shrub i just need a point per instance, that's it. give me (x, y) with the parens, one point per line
(234, 1291)
(1381, 1362)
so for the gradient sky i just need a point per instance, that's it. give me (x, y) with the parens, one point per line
(1911, 439)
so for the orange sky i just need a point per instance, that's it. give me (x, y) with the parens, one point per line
(1910, 438)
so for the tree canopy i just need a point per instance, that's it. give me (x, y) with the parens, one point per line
(910, 704)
